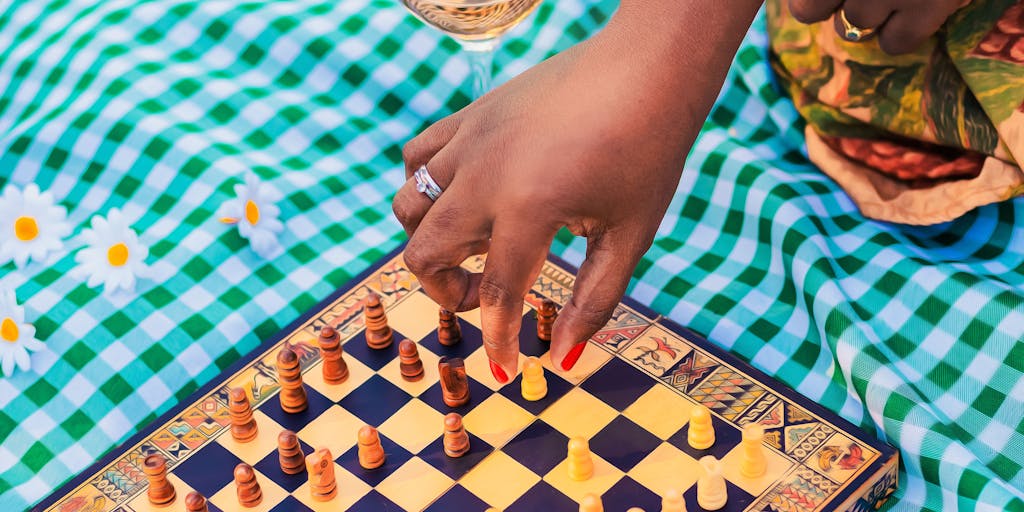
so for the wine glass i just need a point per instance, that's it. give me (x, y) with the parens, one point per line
(477, 25)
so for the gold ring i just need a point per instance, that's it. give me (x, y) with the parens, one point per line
(851, 31)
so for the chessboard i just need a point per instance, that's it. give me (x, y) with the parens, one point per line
(630, 396)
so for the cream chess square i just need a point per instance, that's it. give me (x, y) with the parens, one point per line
(605, 476)
(667, 467)
(579, 413)
(358, 373)
(415, 485)
(499, 480)
(662, 411)
(497, 419)
(415, 316)
(227, 498)
(350, 490)
(335, 429)
(255, 450)
(414, 426)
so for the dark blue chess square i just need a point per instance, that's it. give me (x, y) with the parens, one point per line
(618, 384)
(289, 504)
(271, 467)
(543, 497)
(623, 443)
(455, 468)
(628, 493)
(373, 502)
(540, 447)
(738, 499)
(472, 339)
(394, 457)
(210, 507)
(374, 358)
(434, 397)
(727, 437)
(557, 388)
(210, 471)
(457, 498)
(297, 421)
(529, 343)
(375, 400)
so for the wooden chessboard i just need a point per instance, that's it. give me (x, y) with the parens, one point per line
(631, 394)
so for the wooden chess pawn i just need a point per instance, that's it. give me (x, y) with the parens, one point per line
(580, 463)
(371, 453)
(161, 492)
(546, 315)
(591, 503)
(701, 434)
(243, 425)
(289, 453)
(378, 333)
(409, 361)
(248, 489)
(334, 367)
(754, 464)
(535, 386)
(448, 330)
(454, 383)
(323, 486)
(673, 501)
(711, 491)
(195, 502)
(456, 440)
(289, 375)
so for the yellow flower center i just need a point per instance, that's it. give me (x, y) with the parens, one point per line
(117, 255)
(252, 212)
(25, 228)
(9, 330)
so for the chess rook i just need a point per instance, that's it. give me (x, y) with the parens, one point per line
(243, 425)
(711, 491)
(456, 440)
(248, 489)
(673, 501)
(701, 434)
(448, 330)
(289, 375)
(580, 463)
(334, 367)
(409, 361)
(322, 484)
(591, 503)
(534, 384)
(454, 383)
(289, 453)
(161, 492)
(545, 319)
(371, 453)
(378, 333)
(195, 502)
(754, 464)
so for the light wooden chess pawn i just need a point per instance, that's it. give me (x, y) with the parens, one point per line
(409, 363)
(243, 425)
(448, 330)
(591, 503)
(580, 463)
(289, 453)
(535, 386)
(334, 366)
(456, 440)
(195, 502)
(247, 487)
(711, 491)
(673, 501)
(546, 315)
(454, 383)
(701, 434)
(371, 453)
(754, 464)
(323, 486)
(289, 376)
(160, 493)
(378, 333)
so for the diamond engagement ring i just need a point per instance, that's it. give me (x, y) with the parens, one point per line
(426, 184)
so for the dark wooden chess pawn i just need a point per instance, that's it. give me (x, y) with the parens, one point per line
(448, 330)
(378, 333)
(243, 425)
(456, 440)
(546, 319)
(195, 502)
(161, 492)
(290, 453)
(409, 361)
(371, 453)
(289, 375)
(322, 484)
(454, 383)
(334, 366)
(249, 492)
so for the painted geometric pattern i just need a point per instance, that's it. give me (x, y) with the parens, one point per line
(727, 392)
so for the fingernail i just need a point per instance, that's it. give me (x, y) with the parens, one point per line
(499, 373)
(574, 355)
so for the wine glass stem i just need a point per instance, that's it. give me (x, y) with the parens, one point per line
(481, 56)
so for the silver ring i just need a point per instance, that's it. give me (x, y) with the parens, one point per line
(426, 184)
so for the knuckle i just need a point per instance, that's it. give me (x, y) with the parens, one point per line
(592, 315)
(410, 149)
(802, 11)
(418, 260)
(494, 293)
(898, 43)
(402, 212)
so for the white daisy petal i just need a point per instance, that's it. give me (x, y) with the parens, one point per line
(21, 357)
(7, 363)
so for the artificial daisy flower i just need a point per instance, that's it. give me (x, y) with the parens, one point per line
(254, 211)
(32, 224)
(113, 256)
(17, 338)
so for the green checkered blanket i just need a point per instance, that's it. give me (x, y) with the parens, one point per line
(159, 108)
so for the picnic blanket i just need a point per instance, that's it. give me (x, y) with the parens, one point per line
(160, 108)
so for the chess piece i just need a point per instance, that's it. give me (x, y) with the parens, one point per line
(754, 463)
(195, 502)
(289, 453)
(378, 333)
(581, 465)
(535, 386)
(248, 489)
(634, 509)
(243, 425)
(161, 492)
(456, 440)
(711, 491)
(322, 484)
(454, 383)
(545, 319)
(334, 367)
(371, 453)
(701, 434)
(448, 330)
(289, 375)
(591, 503)
(409, 361)
(673, 501)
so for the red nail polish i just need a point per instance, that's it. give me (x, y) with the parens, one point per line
(499, 373)
(574, 355)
